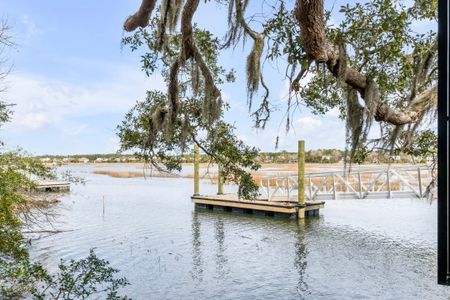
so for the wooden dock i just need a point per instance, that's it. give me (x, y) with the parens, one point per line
(52, 186)
(271, 205)
(276, 207)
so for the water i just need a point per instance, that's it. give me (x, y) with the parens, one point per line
(356, 249)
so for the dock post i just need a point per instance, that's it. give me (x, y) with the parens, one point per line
(301, 179)
(196, 170)
(388, 178)
(420, 182)
(219, 179)
(359, 185)
(310, 188)
(334, 187)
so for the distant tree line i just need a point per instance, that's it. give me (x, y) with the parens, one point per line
(280, 157)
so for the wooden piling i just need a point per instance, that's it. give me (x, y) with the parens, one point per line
(310, 188)
(301, 178)
(196, 170)
(420, 183)
(360, 185)
(334, 187)
(219, 180)
(388, 179)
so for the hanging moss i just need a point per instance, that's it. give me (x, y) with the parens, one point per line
(358, 124)
(174, 14)
(165, 8)
(173, 90)
(195, 79)
(371, 97)
(354, 121)
(234, 29)
(237, 26)
(254, 67)
(212, 107)
(342, 65)
(158, 118)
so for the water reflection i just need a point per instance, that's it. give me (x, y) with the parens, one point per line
(292, 234)
(360, 249)
(300, 262)
(221, 259)
(197, 261)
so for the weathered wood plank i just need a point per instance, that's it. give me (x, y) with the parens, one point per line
(52, 186)
(232, 201)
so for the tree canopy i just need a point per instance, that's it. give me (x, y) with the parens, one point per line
(373, 66)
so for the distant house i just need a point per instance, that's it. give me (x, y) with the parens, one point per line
(101, 160)
(83, 160)
(45, 159)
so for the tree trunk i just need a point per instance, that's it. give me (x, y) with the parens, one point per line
(310, 16)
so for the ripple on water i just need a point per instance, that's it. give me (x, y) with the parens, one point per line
(355, 250)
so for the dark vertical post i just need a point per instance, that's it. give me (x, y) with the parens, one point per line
(443, 139)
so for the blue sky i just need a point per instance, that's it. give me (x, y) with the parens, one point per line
(72, 83)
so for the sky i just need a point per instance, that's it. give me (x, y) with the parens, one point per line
(72, 82)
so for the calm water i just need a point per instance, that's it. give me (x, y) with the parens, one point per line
(369, 249)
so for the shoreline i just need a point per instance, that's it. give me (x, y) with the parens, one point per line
(209, 171)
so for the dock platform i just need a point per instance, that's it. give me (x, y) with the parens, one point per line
(276, 207)
(52, 186)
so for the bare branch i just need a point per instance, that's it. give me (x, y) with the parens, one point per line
(295, 84)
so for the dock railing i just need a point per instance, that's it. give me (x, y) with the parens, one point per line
(393, 182)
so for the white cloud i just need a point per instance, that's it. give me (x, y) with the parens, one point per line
(334, 113)
(34, 120)
(76, 130)
(318, 132)
(306, 124)
(42, 102)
